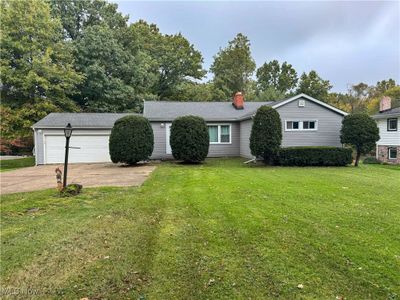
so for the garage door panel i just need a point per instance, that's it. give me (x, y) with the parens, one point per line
(93, 148)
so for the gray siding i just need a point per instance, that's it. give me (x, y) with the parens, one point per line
(245, 130)
(329, 125)
(232, 149)
(215, 150)
(159, 151)
(328, 133)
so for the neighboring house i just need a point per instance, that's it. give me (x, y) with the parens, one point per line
(305, 122)
(388, 120)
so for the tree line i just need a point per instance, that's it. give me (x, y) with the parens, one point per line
(82, 55)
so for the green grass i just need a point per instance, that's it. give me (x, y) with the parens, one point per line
(12, 164)
(212, 231)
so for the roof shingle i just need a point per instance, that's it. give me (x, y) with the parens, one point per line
(80, 120)
(387, 113)
(210, 111)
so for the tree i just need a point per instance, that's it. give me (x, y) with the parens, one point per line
(189, 139)
(270, 94)
(174, 60)
(375, 94)
(178, 61)
(36, 64)
(382, 86)
(76, 15)
(16, 123)
(233, 66)
(361, 132)
(116, 78)
(360, 90)
(192, 91)
(314, 86)
(394, 94)
(339, 100)
(357, 97)
(131, 140)
(266, 134)
(272, 75)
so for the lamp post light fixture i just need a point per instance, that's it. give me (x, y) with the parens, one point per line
(67, 134)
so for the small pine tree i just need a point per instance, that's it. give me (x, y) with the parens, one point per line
(131, 140)
(266, 134)
(361, 132)
(189, 139)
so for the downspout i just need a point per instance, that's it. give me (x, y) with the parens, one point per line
(253, 160)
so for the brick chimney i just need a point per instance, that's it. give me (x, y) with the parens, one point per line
(238, 100)
(385, 103)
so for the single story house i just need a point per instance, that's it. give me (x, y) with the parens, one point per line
(388, 121)
(306, 121)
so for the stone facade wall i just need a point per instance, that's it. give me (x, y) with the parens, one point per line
(383, 154)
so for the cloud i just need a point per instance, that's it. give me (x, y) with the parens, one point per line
(345, 42)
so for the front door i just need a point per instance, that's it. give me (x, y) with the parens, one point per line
(167, 144)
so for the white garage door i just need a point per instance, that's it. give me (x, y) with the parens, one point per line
(93, 148)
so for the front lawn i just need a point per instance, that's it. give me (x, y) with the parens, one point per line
(218, 230)
(11, 164)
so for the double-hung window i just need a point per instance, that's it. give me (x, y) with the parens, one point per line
(392, 124)
(220, 134)
(294, 125)
(392, 153)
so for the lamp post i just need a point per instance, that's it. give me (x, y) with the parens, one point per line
(67, 134)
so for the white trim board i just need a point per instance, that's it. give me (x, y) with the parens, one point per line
(168, 149)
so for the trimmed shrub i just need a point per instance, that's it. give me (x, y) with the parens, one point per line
(361, 132)
(131, 140)
(315, 156)
(266, 134)
(189, 139)
(371, 160)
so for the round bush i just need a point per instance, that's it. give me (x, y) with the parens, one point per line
(266, 134)
(189, 139)
(361, 132)
(131, 140)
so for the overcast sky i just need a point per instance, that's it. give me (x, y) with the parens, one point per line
(345, 42)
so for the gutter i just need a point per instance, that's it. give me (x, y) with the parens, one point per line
(62, 127)
(386, 116)
(207, 120)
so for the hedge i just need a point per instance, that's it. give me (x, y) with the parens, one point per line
(131, 140)
(189, 139)
(315, 156)
(371, 160)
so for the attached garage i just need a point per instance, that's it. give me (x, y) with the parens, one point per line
(89, 140)
(85, 148)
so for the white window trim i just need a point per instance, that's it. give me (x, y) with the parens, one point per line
(219, 134)
(388, 126)
(301, 125)
(389, 152)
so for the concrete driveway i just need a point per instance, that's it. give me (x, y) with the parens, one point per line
(89, 175)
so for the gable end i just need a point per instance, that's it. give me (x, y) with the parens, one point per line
(297, 97)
